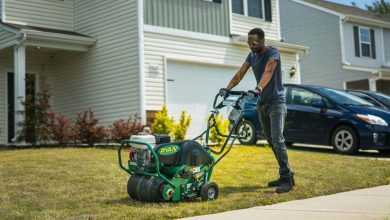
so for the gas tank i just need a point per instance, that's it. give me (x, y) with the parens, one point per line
(144, 138)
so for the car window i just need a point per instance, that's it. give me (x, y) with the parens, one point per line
(342, 97)
(367, 98)
(300, 96)
(382, 97)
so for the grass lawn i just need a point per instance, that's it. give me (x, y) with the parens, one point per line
(76, 183)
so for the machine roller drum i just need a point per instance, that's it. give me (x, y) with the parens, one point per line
(145, 188)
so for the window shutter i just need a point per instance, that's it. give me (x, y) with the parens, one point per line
(356, 39)
(372, 36)
(268, 10)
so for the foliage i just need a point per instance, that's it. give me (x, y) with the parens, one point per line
(163, 124)
(180, 129)
(122, 129)
(223, 127)
(36, 123)
(60, 128)
(379, 7)
(89, 133)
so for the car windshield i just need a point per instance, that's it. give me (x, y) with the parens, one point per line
(381, 97)
(345, 98)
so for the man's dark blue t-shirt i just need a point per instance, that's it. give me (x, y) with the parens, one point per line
(274, 91)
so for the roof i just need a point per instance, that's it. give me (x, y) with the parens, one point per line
(27, 27)
(349, 10)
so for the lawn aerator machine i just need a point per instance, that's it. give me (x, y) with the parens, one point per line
(174, 171)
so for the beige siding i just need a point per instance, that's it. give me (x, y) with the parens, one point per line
(242, 24)
(159, 47)
(38, 62)
(56, 14)
(6, 36)
(105, 79)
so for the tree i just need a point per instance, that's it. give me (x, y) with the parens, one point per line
(379, 7)
(163, 124)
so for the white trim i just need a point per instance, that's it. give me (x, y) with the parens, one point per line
(359, 68)
(245, 5)
(278, 17)
(140, 18)
(60, 37)
(3, 17)
(186, 58)
(382, 47)
(165, 63)
(230, 17)
(366, 21)
(342, 44)
(319, 8)
(298, 67)
(186, 34)
(365, 42)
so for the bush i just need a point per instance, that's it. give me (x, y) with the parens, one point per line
(180, 129)
(89, 133)
(223, 128)
(122, 129)
(60, 128)
(163, 124)
(35, 127)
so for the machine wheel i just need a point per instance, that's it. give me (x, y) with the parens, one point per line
(145, 188)
(344, 140)
(251, 135)
(209, 191)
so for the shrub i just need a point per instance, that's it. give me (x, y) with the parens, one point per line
(36, 123)
(122, 129)
(163, 124)
(180, 129)
(88, 131)
(60, 128)
(223, 127)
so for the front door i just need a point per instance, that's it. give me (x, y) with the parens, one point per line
(30, 91)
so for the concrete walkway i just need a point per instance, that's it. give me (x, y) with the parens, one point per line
(372, 203)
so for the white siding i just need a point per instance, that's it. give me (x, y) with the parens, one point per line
(159, 47)
(105, 79)
(55, 14)
(242, 24)
(38, 62)
(350, 48)
(386, 41)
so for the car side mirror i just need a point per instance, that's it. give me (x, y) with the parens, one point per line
(319, 104)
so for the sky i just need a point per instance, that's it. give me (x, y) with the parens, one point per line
(360, 3)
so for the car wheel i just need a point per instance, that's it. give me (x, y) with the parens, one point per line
(344, 140)
(248, 131)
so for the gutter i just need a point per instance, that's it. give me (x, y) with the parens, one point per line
(367, 21)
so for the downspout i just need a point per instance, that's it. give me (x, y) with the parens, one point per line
(140, 17)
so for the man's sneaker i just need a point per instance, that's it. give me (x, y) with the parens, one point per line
(285, 185)
(276, 183)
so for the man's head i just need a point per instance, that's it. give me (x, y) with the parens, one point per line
(256, 40)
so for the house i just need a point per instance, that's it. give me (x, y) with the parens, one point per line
(130, 56)
(349, 46)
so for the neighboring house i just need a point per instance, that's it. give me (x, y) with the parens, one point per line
(130, 56)
(349, 47)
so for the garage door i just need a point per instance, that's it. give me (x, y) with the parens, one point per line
(192, 88)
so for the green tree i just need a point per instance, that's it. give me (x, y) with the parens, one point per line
(379, 7)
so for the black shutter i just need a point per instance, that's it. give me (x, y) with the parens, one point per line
(268, 10)
(372, 36)
(357, 42)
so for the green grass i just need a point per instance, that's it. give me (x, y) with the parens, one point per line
(74, 183)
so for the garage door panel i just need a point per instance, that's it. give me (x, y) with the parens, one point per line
(192, 88)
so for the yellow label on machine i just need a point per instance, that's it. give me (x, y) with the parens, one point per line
(169, 150)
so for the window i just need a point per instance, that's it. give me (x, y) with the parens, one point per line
(299, 96)
(253, 8)
(364, 42)
(238, 6)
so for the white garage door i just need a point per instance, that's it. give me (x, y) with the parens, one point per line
(192, 88)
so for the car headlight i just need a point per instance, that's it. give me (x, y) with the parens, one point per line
(372, 119)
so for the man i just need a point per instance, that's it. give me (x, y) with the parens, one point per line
(265, 63)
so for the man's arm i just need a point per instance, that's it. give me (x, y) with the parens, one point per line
(268, 72)
(239, 75)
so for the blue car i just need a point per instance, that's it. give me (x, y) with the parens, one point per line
(378, 99)
(324, 116)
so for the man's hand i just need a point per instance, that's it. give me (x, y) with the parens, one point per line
(223, 92)
(254, 93)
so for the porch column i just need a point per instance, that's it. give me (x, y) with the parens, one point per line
(20, 83)
(372, 84)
